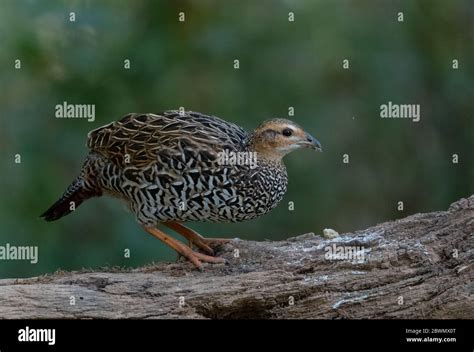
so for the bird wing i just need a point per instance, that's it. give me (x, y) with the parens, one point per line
(141, 139)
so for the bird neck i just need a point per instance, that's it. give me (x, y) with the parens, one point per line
(265, 152)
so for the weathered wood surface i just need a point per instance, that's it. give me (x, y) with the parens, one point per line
(417, 267)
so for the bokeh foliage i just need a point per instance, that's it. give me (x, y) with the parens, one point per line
(190, 64)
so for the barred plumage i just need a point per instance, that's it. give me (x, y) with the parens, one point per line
(169, 169)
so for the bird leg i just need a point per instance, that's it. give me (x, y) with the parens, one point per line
(182, 249)
(204, 243)
(192, 236)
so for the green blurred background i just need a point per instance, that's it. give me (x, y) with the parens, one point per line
(190, 64)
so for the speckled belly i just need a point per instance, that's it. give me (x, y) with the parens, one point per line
(226, 194)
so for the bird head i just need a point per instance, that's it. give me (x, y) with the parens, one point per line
(275, 138)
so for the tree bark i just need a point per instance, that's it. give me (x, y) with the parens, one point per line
(416, 267)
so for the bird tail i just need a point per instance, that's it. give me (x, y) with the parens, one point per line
(75, 194)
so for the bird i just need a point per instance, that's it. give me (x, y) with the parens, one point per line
(179, 166)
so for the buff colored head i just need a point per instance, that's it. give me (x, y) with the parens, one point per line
(275, 138)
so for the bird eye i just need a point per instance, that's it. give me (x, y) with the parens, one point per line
(287, 132)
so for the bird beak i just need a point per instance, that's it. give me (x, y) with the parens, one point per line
(312, 143)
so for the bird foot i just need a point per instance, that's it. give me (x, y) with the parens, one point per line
(194, 257)
(198, 258)
(208, 245)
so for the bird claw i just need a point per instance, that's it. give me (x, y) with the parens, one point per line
(198, 258)
(208, 245)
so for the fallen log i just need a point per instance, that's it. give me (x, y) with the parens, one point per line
(418, 267)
